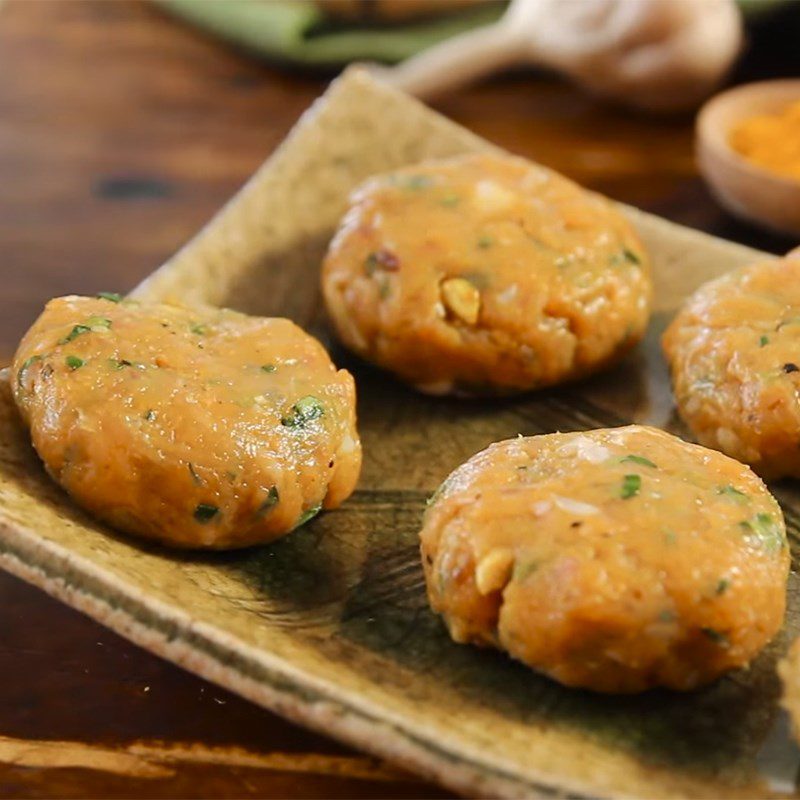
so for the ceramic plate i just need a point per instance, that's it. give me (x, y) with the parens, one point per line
(330, 626)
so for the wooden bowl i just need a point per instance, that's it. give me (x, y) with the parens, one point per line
(745, 189)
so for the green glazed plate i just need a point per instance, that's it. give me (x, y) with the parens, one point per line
(330, 626)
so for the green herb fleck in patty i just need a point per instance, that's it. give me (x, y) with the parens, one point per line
(631, 484)
(24, 368)
(765, 530)
(630, 256)
(417, 182)
(308, 514)
(193, 472)
(205, 512)
(272, 500)
(625, 256)
(716, 636)
(92, 324)
(381, 259)
(641, 460)
(733, 493)
(76, 331)
(440, 489)
(523, 570)
(305, 410)
(73, 362)
(112, 297)
(268, 367)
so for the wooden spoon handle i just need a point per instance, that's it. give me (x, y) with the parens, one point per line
(457, 61)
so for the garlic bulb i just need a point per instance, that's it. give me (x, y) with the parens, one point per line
(656, 54)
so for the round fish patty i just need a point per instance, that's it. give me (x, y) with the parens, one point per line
(615, 560)
(485, 274)
(734, 354)
(196, 427)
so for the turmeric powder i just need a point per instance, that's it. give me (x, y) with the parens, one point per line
(771, 141)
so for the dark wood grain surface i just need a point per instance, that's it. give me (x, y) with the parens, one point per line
(121, 132)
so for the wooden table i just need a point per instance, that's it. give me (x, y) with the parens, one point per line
(121, 133)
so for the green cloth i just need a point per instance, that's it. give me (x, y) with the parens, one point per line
(752, 9)
(299, 32)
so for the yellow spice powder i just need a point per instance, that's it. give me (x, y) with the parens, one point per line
(771, 141)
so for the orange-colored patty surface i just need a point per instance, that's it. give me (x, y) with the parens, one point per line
(484, 274)
(195, 427)
(734, 353)
(615, 560)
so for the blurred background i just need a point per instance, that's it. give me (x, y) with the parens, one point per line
(125, 125)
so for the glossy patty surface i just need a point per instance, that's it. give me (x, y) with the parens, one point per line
(195, 427)
(616, 560)
(734, 354)
(485, 273)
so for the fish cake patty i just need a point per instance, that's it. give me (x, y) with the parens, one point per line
(196, 427)
(485, 274)
(734, 355)
(615, 560)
